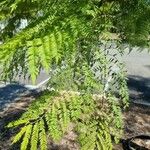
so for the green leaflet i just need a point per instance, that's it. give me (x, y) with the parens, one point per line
(17, 122)
(65, 116)
(19, 135)
(35, 136)
(32, 60)
(53, 124)
(42, 136)
(26, 137)
(53, 47)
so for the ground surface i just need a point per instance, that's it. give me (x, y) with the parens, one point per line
(138, 67)
(137, 121)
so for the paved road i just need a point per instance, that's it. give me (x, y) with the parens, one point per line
(138, 67)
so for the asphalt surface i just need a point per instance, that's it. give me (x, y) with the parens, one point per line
(138, 68)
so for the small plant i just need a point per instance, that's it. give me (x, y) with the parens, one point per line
(95, 121)
(84, 96)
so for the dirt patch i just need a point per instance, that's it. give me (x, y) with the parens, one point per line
(136, 118)
(12, 112)
(137, 122)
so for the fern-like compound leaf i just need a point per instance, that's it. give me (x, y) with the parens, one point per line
(35, 136)
(42, 136)
(26, 137)
(19, 135)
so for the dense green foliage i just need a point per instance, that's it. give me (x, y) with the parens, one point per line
(72, 40)
(93, 120)
(85, 97)
(55, 29)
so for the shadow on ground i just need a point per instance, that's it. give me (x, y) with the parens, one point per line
(139, 88)
(11, 92)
